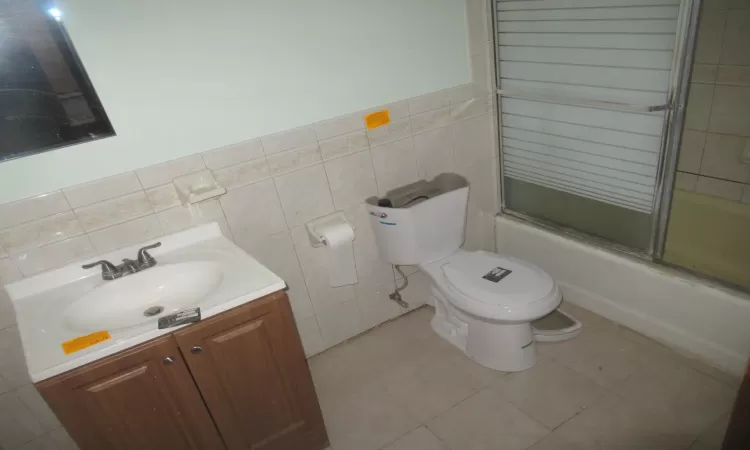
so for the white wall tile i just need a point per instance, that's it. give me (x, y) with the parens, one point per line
(685, 181)
(277, 253)
(704, 73)
(746, 194)
(396, 110)
(289, 139)
(691, 150)
(292, 160)
(339, 323)
(374, 305)
(253, 212)
(114, 211)
(183, 217)
(471, 108)
(31, 398)
(33, 261)
(40, 232)
(126, 234)
(483, 186)
(243, 174)
(103, 189)
(352, 179)
(472, 139)
(719, 188)
(730, 110)
(163, 197)
(8, 272)
(428, 102)
(736, 36)
(17, 424)
(304, 195)
(43, 442)
(344, 145)
(164, 173)
(734, 75)
(233, 154)
(697, 112)
(722, 158)
(7, 319)
(395, 164)
(13, 364)
(314, 264)
(394, 131)
(710, 35)
(32, 208)
(312, 339)
(339, 125)
(435, 153)
(430, 120)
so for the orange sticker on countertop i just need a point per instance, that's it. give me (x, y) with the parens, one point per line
(80, 343)
(377, 119)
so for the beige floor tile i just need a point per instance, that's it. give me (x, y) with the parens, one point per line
(366, 419)
(486, 421)
(431, 387)
(617, 424)
(691, 399)
(712, 438)
(419, 439)
(603, 356)
(549, 392)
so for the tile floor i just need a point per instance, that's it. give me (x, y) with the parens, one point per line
(400, 387)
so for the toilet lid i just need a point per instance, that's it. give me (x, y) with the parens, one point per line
(497, 280)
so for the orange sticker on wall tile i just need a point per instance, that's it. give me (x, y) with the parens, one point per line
(80, 343)
(377, 119)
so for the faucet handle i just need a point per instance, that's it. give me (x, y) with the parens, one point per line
(109, 270)
(144, 259)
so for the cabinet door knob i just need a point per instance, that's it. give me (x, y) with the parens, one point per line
(196, 350)
(168, 360)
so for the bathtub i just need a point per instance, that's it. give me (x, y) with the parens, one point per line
(684, 312)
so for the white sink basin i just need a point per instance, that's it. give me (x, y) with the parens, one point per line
(143, 297)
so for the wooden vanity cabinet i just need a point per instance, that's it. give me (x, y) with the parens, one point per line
(235, 381)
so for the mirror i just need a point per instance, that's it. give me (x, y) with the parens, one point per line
(46, 98)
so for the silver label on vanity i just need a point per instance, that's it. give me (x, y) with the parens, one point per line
(180, 318)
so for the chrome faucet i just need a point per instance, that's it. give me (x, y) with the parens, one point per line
(128, 266)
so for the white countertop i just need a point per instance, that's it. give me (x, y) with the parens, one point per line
(40, 301)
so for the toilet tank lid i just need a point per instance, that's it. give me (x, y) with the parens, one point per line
(496, 279)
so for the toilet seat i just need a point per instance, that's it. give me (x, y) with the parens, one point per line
(496, 287)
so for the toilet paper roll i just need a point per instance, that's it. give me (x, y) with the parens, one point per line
(341, 269)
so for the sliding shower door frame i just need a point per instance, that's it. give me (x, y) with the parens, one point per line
(672, 135)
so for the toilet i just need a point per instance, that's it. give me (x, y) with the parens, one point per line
(484, 302)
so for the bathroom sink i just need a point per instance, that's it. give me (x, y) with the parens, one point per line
(143, 297)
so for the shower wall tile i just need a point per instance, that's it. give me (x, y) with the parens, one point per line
(734, 49)
(710, 35)
(734, 75)
(698, 111)
(730, 111)
(686, 181)
(704, 73)
(719, 188)
(691, 151)
(723, 158)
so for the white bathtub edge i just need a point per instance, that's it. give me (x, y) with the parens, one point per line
(678, 310)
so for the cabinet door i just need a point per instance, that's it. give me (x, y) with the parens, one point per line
(251, 369)
(140, 399)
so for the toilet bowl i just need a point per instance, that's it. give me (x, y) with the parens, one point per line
(484, 302)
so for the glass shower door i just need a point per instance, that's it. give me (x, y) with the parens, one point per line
(584, 94)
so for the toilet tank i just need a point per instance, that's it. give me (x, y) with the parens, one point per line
(427, 221)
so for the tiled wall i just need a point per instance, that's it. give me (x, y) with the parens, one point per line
(717, 126)
(275, 185)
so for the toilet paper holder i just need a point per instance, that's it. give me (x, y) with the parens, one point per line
(316, 238)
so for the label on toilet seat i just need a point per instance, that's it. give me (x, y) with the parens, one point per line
(497, 274)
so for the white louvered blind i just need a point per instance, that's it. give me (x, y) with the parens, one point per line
(577, 78)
